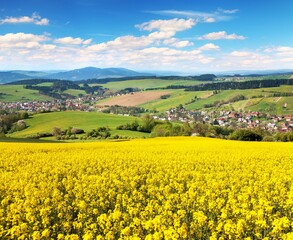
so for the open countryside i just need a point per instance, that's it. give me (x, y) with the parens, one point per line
(146, 120)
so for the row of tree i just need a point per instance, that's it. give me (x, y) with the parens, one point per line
(238, 85)
(58, 87)
(133, 111)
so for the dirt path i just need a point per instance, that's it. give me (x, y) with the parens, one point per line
(291, 77)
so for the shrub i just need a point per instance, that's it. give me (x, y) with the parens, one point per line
(245, 135)
(268, 139)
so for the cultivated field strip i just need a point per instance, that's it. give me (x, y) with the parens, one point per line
(169, 188)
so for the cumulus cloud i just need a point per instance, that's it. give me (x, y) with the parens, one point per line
(221, 35)
(209, 47)
(158, 49)
(162, 31)
(34, 19)
(72, 41)
(123, 43)
(177, 43)
(21, 40)
(280, 51)
(240, 54)
(172, 25)
(182, 44)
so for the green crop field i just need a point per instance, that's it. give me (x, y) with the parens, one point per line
(180, 96)
(45, 122)
(176, 97)
(19, 93)
(274, 105)
(146, 83)
(282, 89)
(226, 95)
(245, 104)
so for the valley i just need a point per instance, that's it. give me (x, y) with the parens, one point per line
(114, 102)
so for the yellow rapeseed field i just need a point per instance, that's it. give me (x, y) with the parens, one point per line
(164, 188)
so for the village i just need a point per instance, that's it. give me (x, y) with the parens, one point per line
(223, 118)
(234, 119)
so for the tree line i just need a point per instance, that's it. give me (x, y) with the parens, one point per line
(237, 85)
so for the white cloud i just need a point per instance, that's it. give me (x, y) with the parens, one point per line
(158, 49)
(172, 25)
(72, 41)
(34, 19)
(174, 42)
(209, 20)
(21, 37)
(280, 51)
(289, 60)
(228, 11)
(219, 15)
(21, 40)
(240, 54)
(161, 35)
(284, 49)
(182, 44)
(221, 35)
(124, 43)
(209, 47)
(48, 47)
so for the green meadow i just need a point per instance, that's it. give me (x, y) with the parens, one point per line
(45, 122)
(12, 93)
(147, 83)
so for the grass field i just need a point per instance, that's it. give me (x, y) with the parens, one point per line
(146, 83)
(45, 122)
(181, 97)
(226, 95)
(282, 89)
(245, 104)
(45, 84)
(176, 97)
(161, 188)
(19, 93)
(274, 105)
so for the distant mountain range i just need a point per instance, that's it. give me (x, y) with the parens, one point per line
(102, 73)
(73, 75)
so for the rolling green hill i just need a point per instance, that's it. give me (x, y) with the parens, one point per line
(274, 105)
(9, 93)
(45, 122)
(147, 83)
(256, 99)
(176, 97)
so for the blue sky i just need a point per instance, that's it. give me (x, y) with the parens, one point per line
(146, 35)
